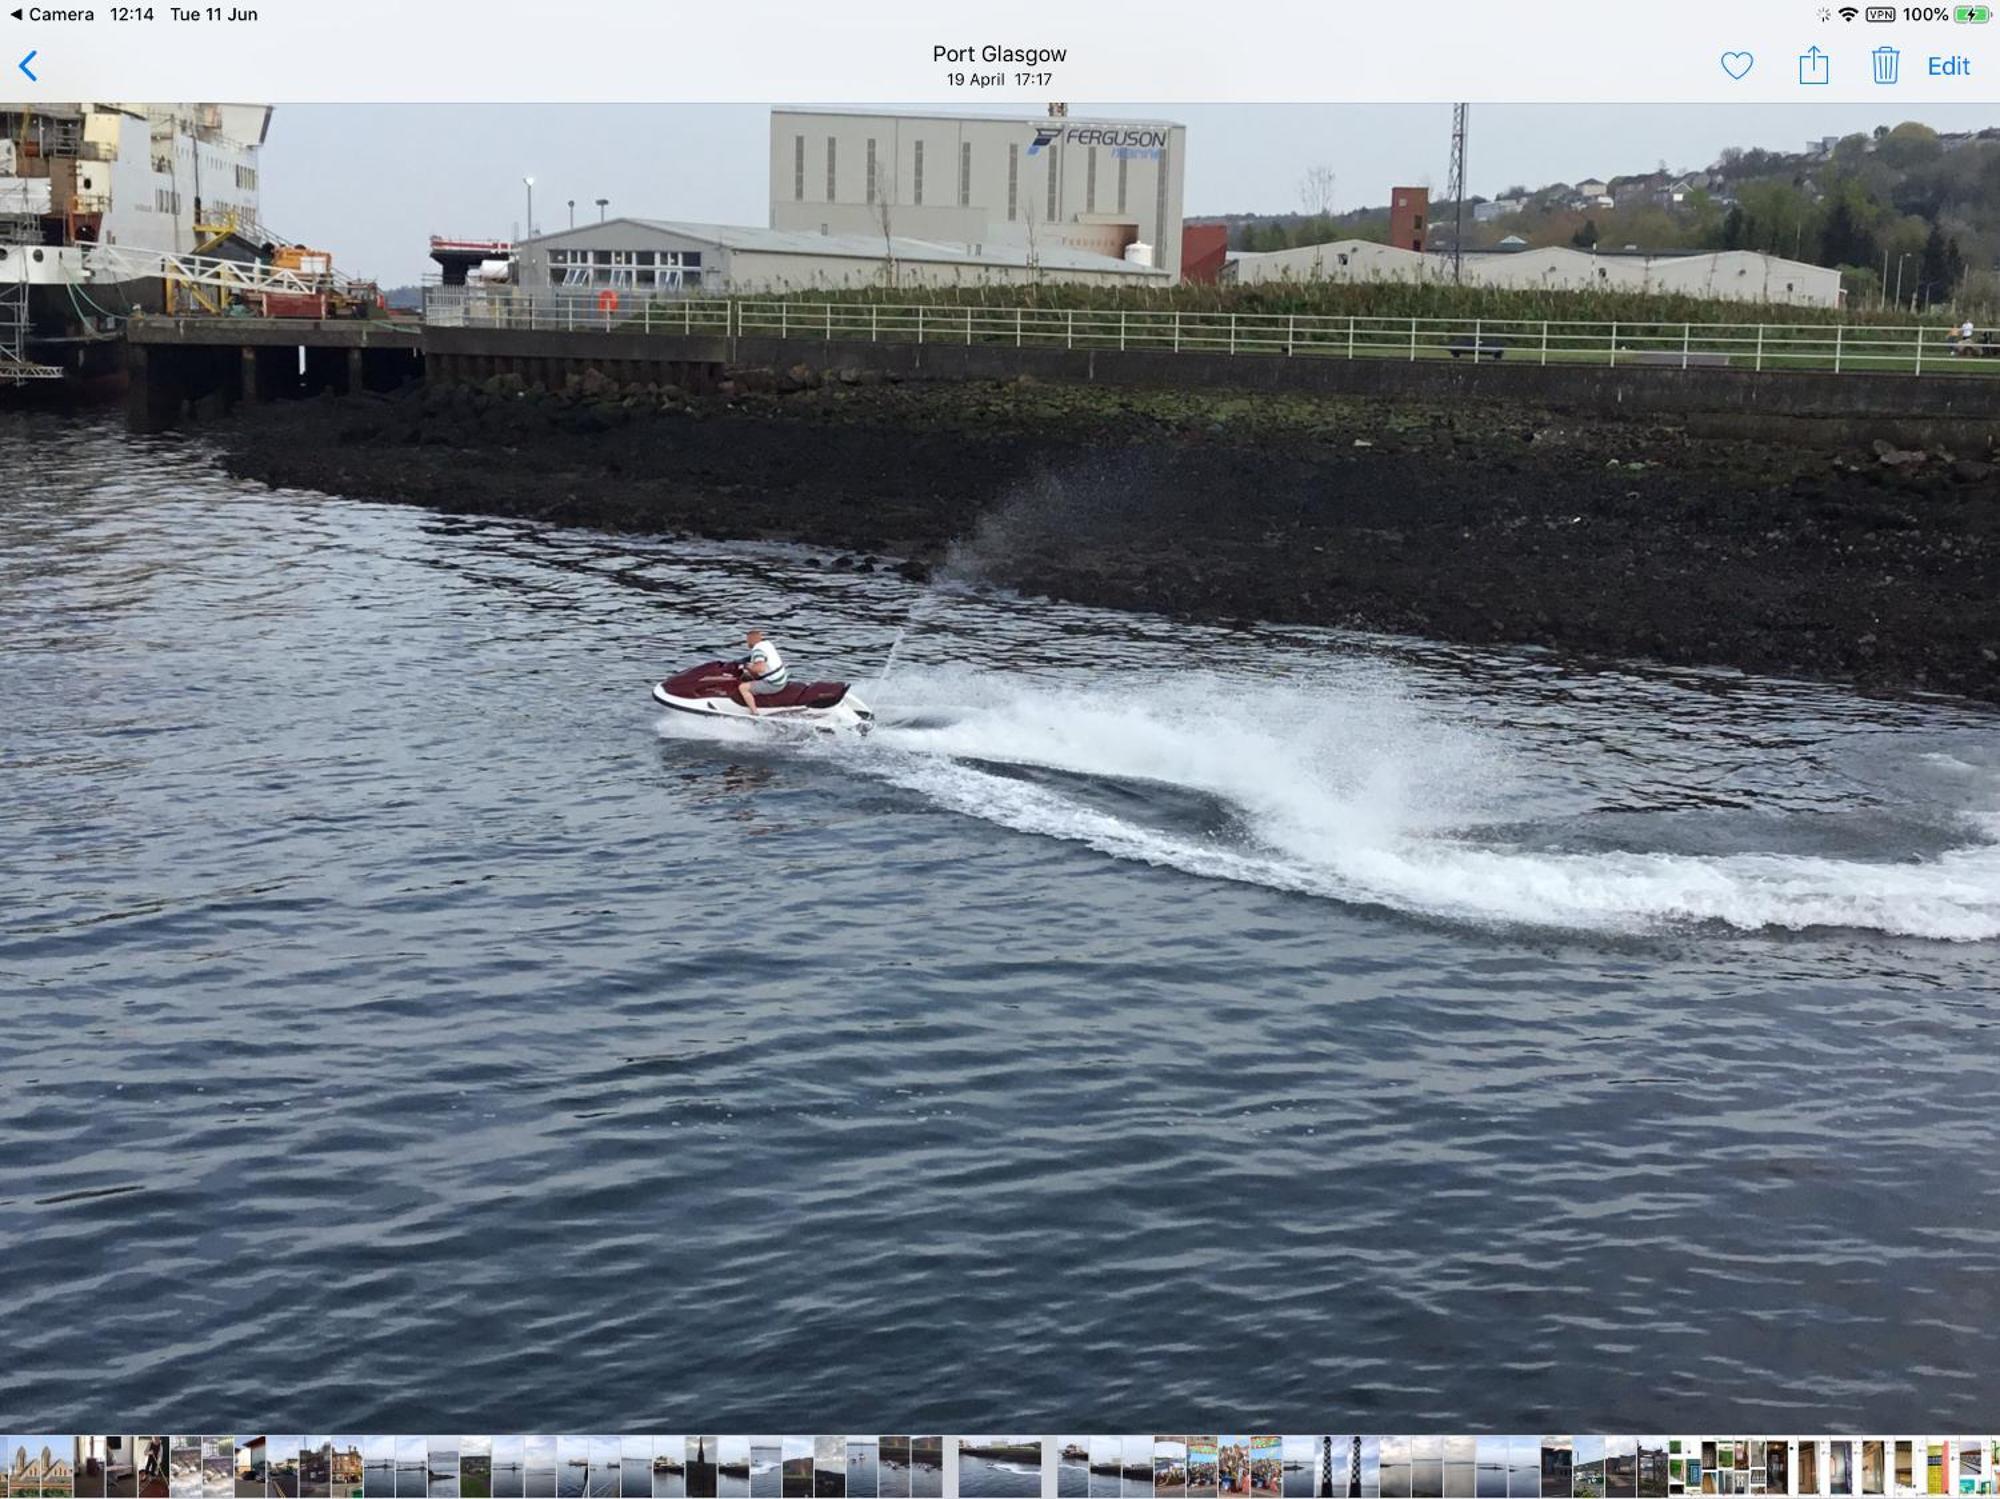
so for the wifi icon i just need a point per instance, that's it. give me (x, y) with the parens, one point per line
(1849, 12)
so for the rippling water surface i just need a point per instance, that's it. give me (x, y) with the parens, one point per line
(407, 1028)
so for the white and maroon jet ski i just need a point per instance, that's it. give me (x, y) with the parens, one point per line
(710, 690)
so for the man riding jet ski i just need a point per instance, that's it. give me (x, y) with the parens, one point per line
(759, 687)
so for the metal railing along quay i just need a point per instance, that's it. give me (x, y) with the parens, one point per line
(1830, 347)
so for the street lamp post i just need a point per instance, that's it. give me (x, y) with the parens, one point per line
(602, 204)
(529, 184)
(1899, 277)
(572, 213)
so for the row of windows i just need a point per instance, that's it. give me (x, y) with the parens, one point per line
(246, 177)
(625, 277)
(571, 258)
(166, 200)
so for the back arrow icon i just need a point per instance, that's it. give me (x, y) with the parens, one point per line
(23, 65)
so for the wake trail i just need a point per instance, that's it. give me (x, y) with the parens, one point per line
(1351, 792)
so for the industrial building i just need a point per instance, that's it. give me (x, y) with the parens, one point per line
(1020, 184)
(630, 258)
(1728, 275)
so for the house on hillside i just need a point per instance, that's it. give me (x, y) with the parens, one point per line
(1497, 208)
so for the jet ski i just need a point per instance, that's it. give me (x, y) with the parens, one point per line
(710, 690)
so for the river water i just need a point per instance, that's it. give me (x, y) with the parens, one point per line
(404, 1022)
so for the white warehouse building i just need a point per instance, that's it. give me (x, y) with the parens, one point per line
(623, 259)
(1729, 275)
(1019, 184)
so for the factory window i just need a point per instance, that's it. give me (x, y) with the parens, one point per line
(871, 170)
(964, 174)
(1124, 163)
(798, 169)
(1013, 180)
(917, 183)
(1090, 182)
(829, 169)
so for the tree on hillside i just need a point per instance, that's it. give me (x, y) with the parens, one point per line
(1316, 192)
(1734, 229)
(1586, 237)
(1846, 239)
(1934, 278)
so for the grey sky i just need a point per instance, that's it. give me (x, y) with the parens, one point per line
(372, 183)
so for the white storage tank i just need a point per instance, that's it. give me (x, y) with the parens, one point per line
(1139, 253)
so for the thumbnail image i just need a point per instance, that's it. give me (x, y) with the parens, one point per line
(797, 1457)
(1874, 1467)
(345, 1467)
(604, 1471)
(1073, 1467)
(732, 1468)
(1267, 1466)
(1371, 1467)
(281, 1465)
(89, 1475)
(1204, 1466)
(1302, 1455)
(1461, 1466)
(378, 1467)
(1811, 1464)
(701, 1451)
(184, 1467)
(767, 1467)
(670, 1467)
(218, 1467)
(413, 1467)
(152, 1455)
(475, 1469)
(509, 1467)
(155, 1466)
(1904, 1475)
(441, 1456)
(1558, 1466)
(1621, 1468)
(1653, 1476)
(1170, 1456)
(926, 1467)
(121, 1469)
(538, 1455)
(573, 1467)
(1396, 1467)
(1136, 1475)
(1587, 1473)
(864, 1469)
(893, 1456)
(316, 1467)
(1107, 1467)
(1840, 1467)
(1524, 1467)
(830, 1467)
(251, 1458)
(635, 1467)
(1427, 1467)
(1490, 1456)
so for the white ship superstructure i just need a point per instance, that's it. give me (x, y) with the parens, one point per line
(166, 179)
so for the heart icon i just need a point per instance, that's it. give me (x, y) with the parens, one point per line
(1736, 64)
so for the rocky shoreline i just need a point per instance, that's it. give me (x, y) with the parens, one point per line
(1483, 523)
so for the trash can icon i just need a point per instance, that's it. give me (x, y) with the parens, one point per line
(1888, 64)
